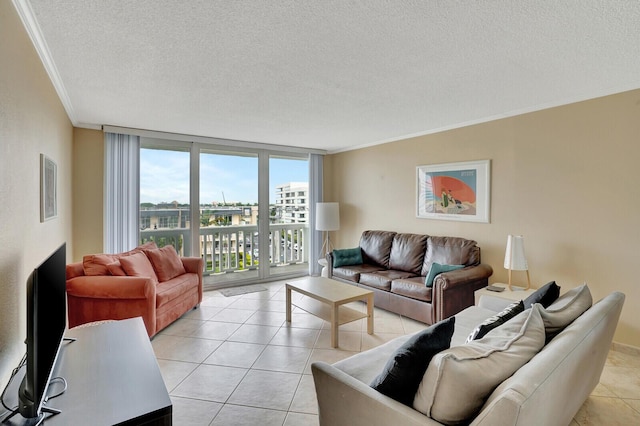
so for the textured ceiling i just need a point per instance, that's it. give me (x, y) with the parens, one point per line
(330, 75)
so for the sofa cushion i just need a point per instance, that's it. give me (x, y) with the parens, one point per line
(470, 372)
(96, 264)
(412, 287)
(376, 247)
(382, 279)
(174, 288)
(352, 273)
(450, 251)
(437, 269)
(566, 309)
(347, 257)
(407, 252)
(166, 262)
(115, 269)
(403, 372)
(545, 295)
(138, 265)
(497, 320)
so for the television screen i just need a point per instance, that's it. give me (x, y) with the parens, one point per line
(46, 322)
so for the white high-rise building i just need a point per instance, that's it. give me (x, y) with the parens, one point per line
(292, 202)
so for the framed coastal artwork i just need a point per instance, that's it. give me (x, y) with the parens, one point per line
(454, 191)
(48, 188)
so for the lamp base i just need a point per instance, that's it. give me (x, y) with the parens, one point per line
(528, 281)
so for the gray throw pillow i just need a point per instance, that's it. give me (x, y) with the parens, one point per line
(459, 380)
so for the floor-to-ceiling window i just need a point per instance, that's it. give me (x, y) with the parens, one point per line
(165, 213)
(244, 211)
(289, 213)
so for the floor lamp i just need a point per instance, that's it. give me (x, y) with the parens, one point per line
(327, 219)
(514, 258)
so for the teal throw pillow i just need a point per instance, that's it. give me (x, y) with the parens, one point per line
(437, 269)
(346, 257)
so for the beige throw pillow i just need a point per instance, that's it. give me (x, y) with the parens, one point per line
(566, 309)
(460, 379)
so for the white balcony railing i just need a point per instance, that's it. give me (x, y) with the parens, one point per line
(235, 248)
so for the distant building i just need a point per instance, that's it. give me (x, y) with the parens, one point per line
(292, 203)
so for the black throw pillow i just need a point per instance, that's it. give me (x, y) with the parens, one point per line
(545, 295)
(497, 320)
(403, 372)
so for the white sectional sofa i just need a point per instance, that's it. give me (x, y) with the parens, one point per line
(547, 390)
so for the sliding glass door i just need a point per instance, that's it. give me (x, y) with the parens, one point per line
(244, 211)
(229, 234)
(288, 214)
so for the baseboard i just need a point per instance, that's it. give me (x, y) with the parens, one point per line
(625, 349)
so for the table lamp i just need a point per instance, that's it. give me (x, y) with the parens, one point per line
(514, 258)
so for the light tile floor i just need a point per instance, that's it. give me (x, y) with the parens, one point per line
(235, 361)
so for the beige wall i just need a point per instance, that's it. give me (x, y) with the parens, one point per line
(88, 184)
(32, 121)
(566, 178)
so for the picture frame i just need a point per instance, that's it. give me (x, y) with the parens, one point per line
(454, 191)
(48, 188)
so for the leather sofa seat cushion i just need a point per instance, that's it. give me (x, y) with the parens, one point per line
(450, 251)
(174, 288)
(352, 273)
(376, 247)
(382, 279)
(407, 252)
(413, 288)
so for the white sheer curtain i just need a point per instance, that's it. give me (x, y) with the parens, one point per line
(121, 198)
(315, 195)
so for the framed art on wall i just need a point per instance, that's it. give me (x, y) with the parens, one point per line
(48, 188)
(454, 191)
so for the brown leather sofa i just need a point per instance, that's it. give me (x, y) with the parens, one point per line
(395, 265)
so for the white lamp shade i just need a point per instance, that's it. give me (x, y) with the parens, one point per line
(514, 258)
(327, 216)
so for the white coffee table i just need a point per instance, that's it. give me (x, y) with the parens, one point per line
(324, 297)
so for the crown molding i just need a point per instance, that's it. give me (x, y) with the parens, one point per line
(23, 7)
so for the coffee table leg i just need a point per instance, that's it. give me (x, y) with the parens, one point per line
(334, 325)
(288, 302)
(370, 314)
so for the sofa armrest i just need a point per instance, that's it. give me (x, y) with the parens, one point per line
(329, 257)
(97, 298)
(74, 270)
(454, 291)
(195, 265)
(111, 287)
(346, 401)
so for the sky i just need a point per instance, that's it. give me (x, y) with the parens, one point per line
(164, 177)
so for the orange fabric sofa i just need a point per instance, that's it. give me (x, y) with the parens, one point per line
(148, 282)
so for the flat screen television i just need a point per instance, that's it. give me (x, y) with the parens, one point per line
(46, 323)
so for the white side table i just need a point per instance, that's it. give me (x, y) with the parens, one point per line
(325, 272)
(516, 294)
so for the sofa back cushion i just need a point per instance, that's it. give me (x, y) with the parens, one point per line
(376, 247)
(450, 251)
(166, 262)
(407, 252)
(138, 265)
(470, 372)
(96, 264)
